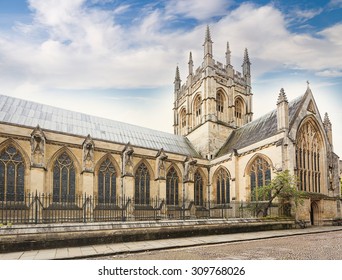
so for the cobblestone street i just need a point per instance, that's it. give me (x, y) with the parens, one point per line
(318, 246)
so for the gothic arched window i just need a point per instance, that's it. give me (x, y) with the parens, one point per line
(142, 185)
(64, 179)
(239, 112)
(198, 111)
(172, 187)
(308, 157)
(222, 187)
(183, 121)
(260, 175)
(12, 175)
(198, 191)
(107, 182)
(219, 102)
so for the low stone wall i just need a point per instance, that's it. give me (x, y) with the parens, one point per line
(30, 237)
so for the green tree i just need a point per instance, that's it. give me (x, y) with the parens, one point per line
(283, 187)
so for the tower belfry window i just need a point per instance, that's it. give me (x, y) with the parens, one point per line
(198, 112)
(219, 102)
(239, 112)
(198, 107)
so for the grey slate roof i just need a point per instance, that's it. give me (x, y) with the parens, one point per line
(30, 114)
(257, 130)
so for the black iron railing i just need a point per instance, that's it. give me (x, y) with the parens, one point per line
(34, 208)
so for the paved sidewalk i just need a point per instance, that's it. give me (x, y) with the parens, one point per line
(141, 246)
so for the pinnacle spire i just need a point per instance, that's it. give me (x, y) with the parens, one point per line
(326, 119)
(191, 64)
(208, 48)
(246, 57)
(228, 55)
(207, 35)
(282, 96)
(177, 81)
(177, 74)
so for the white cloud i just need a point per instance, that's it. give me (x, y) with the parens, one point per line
(330, 73)
(89, 46)
(199, 10)
(335, 3)
(301, 15)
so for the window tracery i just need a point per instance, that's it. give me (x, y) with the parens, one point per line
(107, 182)
(172, 187)
(219, 102)
(64, 179)
(198, 110)
(12, 175)
(142, 185)
(308, 158)
(222, 187)
(260, 175)
(239, 112)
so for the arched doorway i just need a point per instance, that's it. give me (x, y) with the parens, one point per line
(314, 214)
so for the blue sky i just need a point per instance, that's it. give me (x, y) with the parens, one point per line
(117, 59)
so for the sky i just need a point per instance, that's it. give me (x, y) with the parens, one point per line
(117, 59)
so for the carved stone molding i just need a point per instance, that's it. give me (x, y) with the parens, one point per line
(38, 143)
(88, 154)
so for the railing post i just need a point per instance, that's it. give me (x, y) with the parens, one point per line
(36, 208)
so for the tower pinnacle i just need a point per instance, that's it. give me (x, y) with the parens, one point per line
(191, 64)
(177, 81)
(228, 55)
(208, 47)
(282, 96)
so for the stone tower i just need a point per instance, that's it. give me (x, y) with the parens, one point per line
(214, 100)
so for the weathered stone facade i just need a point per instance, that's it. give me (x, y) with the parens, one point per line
(224, 155)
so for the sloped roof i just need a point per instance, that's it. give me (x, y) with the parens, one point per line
(257, 130)
(30, 114)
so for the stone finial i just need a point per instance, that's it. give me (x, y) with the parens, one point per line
(282, 97)
(327, 121)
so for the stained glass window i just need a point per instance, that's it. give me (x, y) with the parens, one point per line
(260, 175)
(64, 179)
(107, 182)
(142, 185)
(172, 187)
(308, 150)
(12, 175)
(222, 187)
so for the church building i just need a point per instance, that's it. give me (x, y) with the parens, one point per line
(216, 157)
